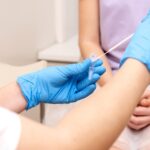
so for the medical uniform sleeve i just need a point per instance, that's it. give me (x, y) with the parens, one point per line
(10, 129)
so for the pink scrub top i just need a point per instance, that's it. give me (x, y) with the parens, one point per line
(119, 19)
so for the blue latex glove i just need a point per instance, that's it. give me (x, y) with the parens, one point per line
(61, 84)
(139, 47)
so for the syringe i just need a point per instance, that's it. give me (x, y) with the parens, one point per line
(91, 68)
(117, 45)
(94, 58)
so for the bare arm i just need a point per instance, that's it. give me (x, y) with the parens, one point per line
(91, 124)
(11, 98)
(89, 35)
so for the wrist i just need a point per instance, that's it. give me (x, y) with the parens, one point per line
(12, 98)
(22, 103)
(28, 87)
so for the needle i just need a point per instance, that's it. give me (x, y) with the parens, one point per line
(117, 45)
(94, 58)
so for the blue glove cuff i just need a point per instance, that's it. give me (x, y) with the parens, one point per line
(134, 55)
(27, 86)
(139, 47)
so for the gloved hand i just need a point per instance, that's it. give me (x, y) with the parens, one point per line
(139, 47)
(61, 84)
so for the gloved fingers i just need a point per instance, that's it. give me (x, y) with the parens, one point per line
(86, 82)
(84, 93)
(82, 76)
(76, 69)
(99, 70)
(98, 62)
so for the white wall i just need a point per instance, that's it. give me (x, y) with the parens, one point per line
(27, 26)
(66, 19)
(46, 34)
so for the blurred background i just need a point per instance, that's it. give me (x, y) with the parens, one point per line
(29, 26)
(35, 30)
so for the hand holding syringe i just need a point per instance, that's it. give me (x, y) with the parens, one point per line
(94, 57)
